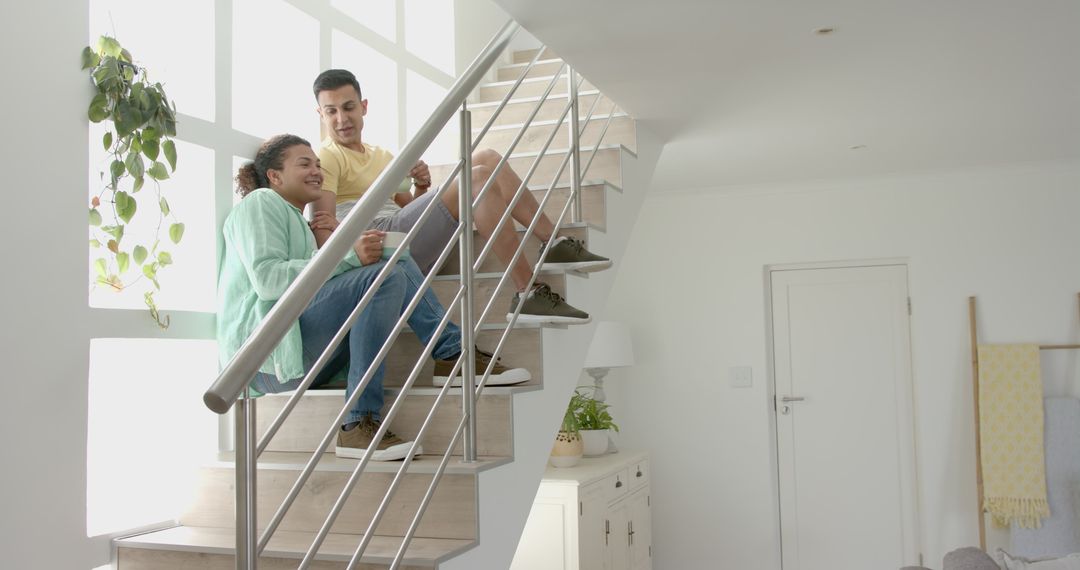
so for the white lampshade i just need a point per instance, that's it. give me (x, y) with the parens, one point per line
(611, 346)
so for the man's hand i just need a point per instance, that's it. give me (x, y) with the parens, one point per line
(369, 247)
(323, 221)
(421, 175)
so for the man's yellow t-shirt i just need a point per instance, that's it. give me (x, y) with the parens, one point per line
(348, 173)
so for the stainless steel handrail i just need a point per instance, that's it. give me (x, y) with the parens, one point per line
(242, 368)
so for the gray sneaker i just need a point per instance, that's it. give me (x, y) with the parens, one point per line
(354, 442)
(542, 305)
(570, 254)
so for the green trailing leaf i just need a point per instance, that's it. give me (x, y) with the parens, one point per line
(150, 271)
(169, 148)
(99, 110)
(126, 118)
(122, 261)
(164, 258)
(164, 206)
(116, 169)
(150, 133)
(89, 58)
(106, 140)
(100, 267)
(95, 217)
(134, 164)
(138, 184)
(95, 244)
(117, 232)
(150, 148)
(139, 254)
(113, 246)
(108, 46)
(157, 171)
(176, 232)
(125, 206)
(136, 145)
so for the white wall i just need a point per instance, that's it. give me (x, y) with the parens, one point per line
(43, 302)
(692, 288)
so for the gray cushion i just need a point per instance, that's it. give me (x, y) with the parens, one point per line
(969, 558)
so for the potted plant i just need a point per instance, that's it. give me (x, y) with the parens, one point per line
(593, 421)
(568, 447)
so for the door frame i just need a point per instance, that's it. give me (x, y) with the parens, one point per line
(910, 482)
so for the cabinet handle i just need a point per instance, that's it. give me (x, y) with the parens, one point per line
(618, 483)
(607, 531)
(630, 531)
(639, 472)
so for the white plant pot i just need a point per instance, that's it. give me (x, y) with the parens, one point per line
(596, 441)
(566, 452)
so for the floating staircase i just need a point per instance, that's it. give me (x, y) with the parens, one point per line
(478, 510)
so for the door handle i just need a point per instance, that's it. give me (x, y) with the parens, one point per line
(792, 398)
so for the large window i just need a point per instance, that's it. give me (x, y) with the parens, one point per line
(239, 71)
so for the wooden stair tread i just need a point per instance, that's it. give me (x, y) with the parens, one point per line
(424, 552)
(424, 464)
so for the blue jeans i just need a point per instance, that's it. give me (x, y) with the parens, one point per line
(327, 312)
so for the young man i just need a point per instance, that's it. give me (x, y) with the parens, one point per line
(268, 243)
(351, 165)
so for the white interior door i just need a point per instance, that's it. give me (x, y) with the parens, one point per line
(845, 441)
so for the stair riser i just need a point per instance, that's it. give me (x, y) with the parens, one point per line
(143, 559)
(621, 131)
(549, 111)
(493, 264)
(451, 513)
(522, 350)
(526, 55)
(311, 418)
(606, 166)
(446, 290)
(528, 89)
(541, 69)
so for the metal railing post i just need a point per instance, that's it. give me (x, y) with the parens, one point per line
(468, 345)
(246, 557)
(575, 150)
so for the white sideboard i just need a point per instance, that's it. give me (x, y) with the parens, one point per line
(593, 516)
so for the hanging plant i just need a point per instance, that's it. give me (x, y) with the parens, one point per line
(140, 123)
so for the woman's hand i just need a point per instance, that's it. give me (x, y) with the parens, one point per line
(369, 246)
(323, 221)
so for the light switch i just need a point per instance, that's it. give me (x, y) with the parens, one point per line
(741, 376)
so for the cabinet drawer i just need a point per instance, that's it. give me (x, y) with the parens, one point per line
(616, 485)
(638, 473)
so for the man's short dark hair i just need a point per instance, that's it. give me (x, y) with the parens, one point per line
(334, 78)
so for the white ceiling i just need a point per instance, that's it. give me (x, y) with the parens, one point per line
(746, 93)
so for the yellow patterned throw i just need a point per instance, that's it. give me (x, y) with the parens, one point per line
(1011, 420)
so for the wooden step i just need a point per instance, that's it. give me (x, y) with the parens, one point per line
(307, 424)
(206, 548)
(542, 68)
(492, 263)
(606, 166)
(519, 109)
(446, 287)
(532, 87)
(621, 131)
(526, 55)
(451, 513)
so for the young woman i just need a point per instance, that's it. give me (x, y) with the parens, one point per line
(268, 242)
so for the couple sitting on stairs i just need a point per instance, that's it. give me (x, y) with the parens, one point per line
(268, 242)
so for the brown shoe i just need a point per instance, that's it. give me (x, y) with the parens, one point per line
(500, 375)
(354, 442)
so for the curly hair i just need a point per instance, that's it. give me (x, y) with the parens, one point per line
(253, 174)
